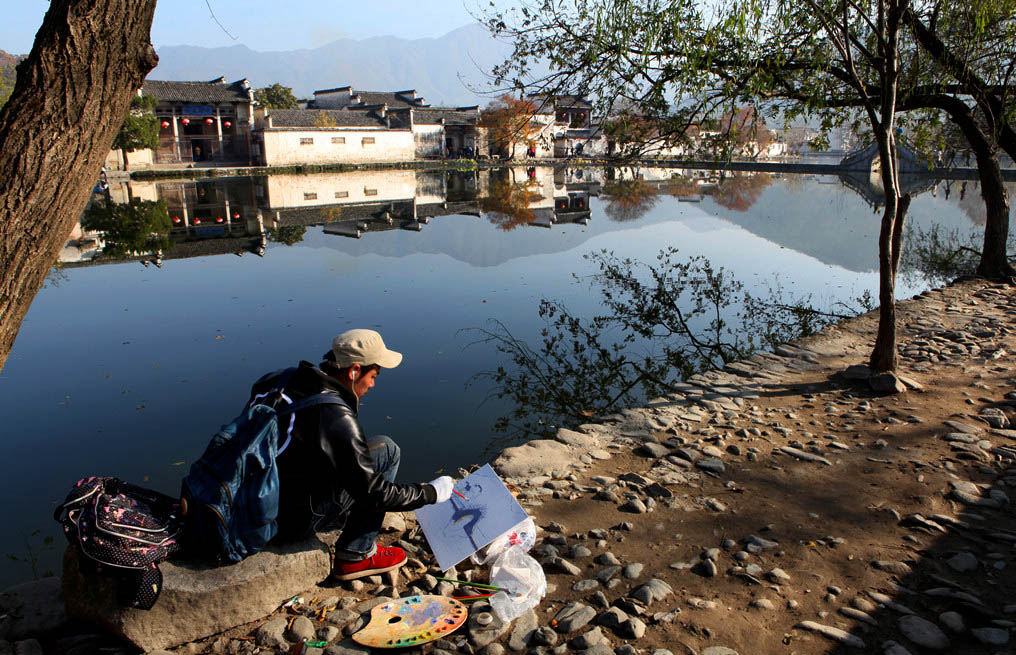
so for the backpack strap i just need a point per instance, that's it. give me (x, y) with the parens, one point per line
(325, 398)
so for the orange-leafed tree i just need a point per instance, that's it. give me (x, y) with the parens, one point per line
(509, 122)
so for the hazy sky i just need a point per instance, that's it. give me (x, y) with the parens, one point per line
(266, 24)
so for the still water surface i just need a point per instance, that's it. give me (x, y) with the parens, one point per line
(125, 369)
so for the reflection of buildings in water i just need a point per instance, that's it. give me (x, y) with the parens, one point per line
(860, 182)
(211, 216)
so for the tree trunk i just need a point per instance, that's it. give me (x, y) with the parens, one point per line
(72, 92)
(994, 263)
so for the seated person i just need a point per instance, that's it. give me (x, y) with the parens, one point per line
(331, 475)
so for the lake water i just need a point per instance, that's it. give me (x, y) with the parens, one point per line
(127, 369)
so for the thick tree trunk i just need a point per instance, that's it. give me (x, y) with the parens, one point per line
(72, 92)
(994, 262)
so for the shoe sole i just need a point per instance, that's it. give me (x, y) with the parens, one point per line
(366, 572)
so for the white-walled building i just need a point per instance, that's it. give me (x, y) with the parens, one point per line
(327, 136)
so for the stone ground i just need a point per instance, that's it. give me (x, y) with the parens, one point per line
(774, 507)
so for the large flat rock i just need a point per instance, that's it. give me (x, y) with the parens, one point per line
(197, 600)
(540, 457)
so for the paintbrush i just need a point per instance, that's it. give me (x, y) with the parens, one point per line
(473, 584)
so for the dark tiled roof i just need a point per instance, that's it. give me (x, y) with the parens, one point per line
(392, 99)
(547, 103)
(451, 116)
(197, 91)
(311, 118)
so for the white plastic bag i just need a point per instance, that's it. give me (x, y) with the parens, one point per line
(523, 577)
(522, 535)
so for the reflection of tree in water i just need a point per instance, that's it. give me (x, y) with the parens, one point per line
(628, 200)
(740, 190)
(680, 186)
(661, 323)
(507, 203)
(287, 234)
(936, 256)
(135, 228)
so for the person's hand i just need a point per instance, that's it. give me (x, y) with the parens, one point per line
(443, 487)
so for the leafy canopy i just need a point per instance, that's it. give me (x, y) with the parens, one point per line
(140, 129)
(276, 96)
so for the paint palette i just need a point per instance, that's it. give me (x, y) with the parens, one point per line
(411, 621)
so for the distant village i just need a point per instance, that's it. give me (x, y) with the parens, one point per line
(218, 123)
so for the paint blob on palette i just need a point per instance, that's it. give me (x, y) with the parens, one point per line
(411, 621)
(481, 511)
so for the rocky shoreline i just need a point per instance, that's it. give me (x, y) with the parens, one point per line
(779, 505)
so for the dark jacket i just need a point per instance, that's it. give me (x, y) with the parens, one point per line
(326, 468)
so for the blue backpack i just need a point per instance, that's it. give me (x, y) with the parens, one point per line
(230, 498)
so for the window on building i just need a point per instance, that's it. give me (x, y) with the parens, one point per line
(367, 140)
(341, 194)
(306, 141)
(338, 139)
(310, 196)
(370, 192)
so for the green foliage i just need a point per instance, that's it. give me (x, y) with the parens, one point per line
(287, 234)
(136, 228)
(140, 129)
(8, 75)
(276, 96)
(660, 324)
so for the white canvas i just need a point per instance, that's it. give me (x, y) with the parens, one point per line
(459, 527)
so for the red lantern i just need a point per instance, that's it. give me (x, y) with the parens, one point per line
(186, 121)
(227, 125)
(208, 121)
(197, 221)
(176, 220)
(165, 124)
(236, 215)
(219, 219)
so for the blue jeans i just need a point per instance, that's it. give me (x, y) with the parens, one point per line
(359, 536)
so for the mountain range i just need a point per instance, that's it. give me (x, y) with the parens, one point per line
(447, 71)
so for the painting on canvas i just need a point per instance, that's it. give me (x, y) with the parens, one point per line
(461, 526)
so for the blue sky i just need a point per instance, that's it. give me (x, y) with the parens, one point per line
(267, 25)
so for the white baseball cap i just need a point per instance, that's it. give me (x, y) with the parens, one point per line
(364, 347)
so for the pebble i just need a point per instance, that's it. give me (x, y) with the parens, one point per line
(830, 632)
(633, 627)
(706, 568)
(588, 639)
(522, 631)
(710, 464)
(632, 571)
(608, 558)
(717, 650)
(896, 568)
(612, 618)
(271, 633)
(953, 621)
(858, 614)
(585, 585)
(778, 575)
(544, 636)
(714, 505)
(923, 632)
(578, 551)
(963, 562)
(993, 636)
(652, 591)
(763, 603)
(701, 603)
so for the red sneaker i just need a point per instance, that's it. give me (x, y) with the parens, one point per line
(384, 560)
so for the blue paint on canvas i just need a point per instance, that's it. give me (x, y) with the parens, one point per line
(461, 526)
